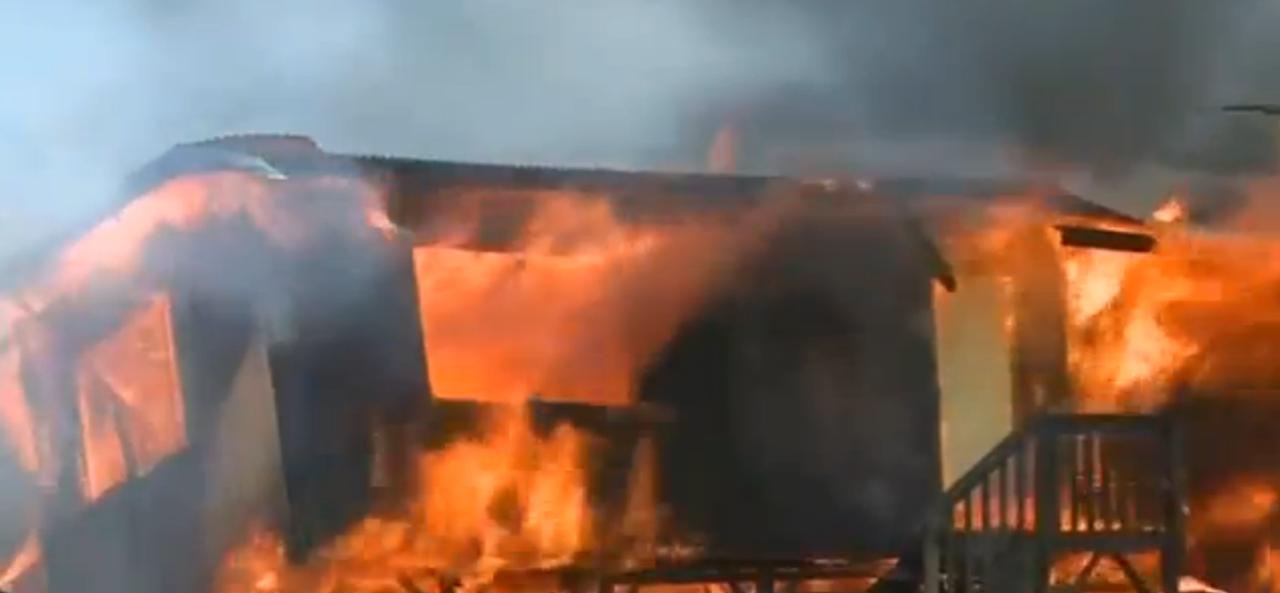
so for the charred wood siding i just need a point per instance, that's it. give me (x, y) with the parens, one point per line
(805, 404)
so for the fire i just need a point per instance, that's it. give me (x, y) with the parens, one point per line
(15, 413)
(1196, 317)
(1173, 210)
(574, 315)
(124, 253)
(131, 404)
(128, 402)
(129, 408)
(511, 499)
(1122, 354)
(507, 500)
(1141, 323)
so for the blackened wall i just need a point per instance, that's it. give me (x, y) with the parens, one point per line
(805, 401)
(350, 363)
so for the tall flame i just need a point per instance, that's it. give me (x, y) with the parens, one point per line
(1198, 317)
(506, 500)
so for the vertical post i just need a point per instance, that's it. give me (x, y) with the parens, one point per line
(1041, 378)
(360, 339)
(932, 557)
(48, 376)
(1047, 507)
(408, 384)
(765, 584)
(1174, 545)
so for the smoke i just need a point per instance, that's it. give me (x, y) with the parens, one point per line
(91, 91)
(1096, 84)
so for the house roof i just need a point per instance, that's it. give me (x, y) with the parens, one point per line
(415, 184)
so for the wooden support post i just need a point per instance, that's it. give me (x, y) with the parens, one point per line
(350, 363)
(1172, 556)
(932, 558)
(1041, 377)
(765, 584)
(1047, 507)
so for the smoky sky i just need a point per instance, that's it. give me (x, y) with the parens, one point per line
(90, 89)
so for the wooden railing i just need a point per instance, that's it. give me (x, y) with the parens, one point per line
(1061, 482)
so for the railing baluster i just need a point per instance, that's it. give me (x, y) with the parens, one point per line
(970, 533)
(1022, 475)
(1063, 477)
(1069, 469)
(1173, 554)
(1124, 486)
(1048, 509)
(1106, 465)
(950, 560)
(1143, 495)
(1001, 496)
(984, 515)
(1089, 442)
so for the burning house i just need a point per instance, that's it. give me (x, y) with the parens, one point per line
(280, 370)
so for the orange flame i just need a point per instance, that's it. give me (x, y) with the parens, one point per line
(507, 500)
(1197, 316)
(1172, 210)
(129, 401)
(121, 249)
(575, 315)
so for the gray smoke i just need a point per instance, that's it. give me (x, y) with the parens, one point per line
(1094, 83)
(92, 89)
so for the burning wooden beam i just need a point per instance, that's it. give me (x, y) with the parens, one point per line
(1104, 238)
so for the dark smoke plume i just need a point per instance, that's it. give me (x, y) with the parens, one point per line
(1099, 84)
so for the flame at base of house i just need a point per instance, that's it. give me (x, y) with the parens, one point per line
(504, 501)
